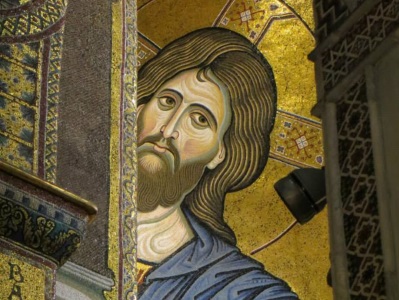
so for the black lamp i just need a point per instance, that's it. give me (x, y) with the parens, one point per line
(303, 191)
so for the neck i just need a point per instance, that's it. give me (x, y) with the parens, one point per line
(161, 232)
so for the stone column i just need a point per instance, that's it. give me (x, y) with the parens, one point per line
(356, 62)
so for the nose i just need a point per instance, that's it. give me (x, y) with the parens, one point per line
(169, 130)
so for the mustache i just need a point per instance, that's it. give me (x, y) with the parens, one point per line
(163, 142)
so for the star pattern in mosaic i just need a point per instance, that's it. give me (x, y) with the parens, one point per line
(297, 141)
(248, 14)
(252, 18)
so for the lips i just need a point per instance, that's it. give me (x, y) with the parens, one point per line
(157, 147)
(160, 149)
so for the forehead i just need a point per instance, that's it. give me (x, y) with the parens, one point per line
(199, 90)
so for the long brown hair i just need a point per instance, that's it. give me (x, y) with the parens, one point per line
(239, 65)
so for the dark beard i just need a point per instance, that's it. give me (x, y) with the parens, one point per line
(164, 187)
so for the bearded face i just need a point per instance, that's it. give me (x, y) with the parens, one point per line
(180, 133)
(161, 180)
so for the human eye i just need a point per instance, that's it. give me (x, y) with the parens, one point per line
(199, 120)
(166, 102)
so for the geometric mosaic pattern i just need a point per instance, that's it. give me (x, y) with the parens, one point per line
(252, 18)
(53, 89)
(297, 141)
(10, 4)
(359, 196)
(34, 19)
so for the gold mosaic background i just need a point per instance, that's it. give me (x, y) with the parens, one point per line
(20, 69)
(30, 64)
(19, 278)
(282, 30)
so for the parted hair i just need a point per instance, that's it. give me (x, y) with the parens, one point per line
(248, 77)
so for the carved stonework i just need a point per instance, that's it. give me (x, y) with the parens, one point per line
(352, 38)
(359, 41)
(328, 15)
(359, 196)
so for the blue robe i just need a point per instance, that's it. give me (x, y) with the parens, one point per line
(209, 268)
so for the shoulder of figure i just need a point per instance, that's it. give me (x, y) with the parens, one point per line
(246, 278)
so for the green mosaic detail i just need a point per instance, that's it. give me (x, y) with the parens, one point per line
(20, 92)
(39, 225)
(50, 156)
(34, 21)
(9, 4)
(19, 69)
